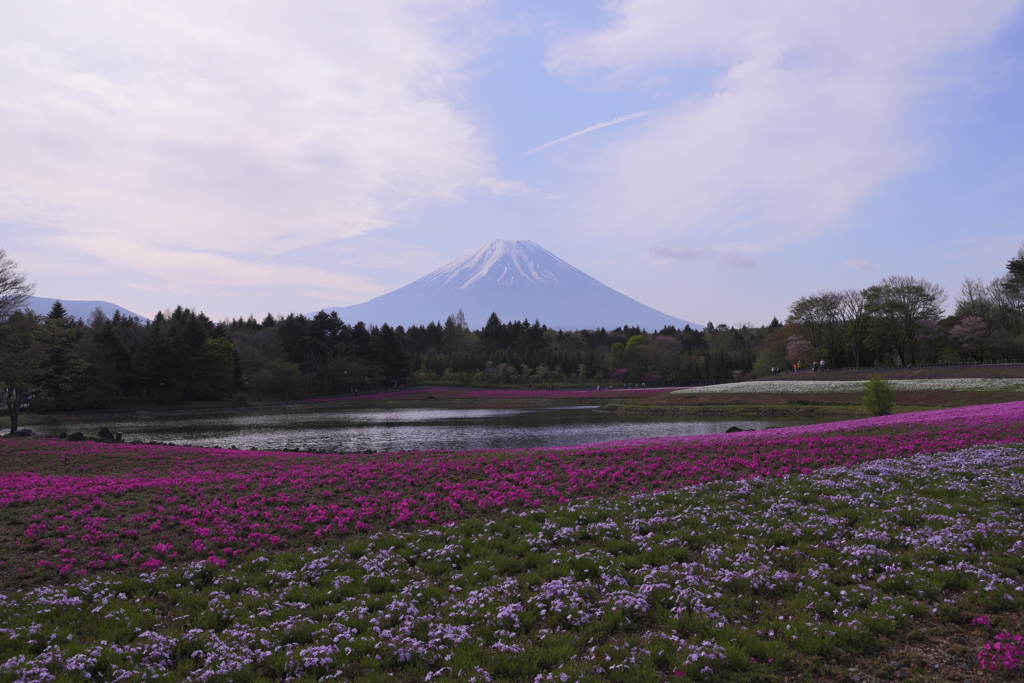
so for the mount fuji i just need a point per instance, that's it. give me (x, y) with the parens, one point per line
(517, 279)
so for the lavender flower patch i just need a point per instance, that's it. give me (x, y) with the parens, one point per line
(738, 580)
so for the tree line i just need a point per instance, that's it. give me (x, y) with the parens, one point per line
(901, 322)
(58, 362)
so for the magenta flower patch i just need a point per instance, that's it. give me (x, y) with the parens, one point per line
(167, 503)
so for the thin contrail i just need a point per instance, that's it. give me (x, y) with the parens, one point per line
(559, 141)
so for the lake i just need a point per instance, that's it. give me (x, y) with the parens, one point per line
(355, 430)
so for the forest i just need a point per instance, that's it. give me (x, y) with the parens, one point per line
(58, 362)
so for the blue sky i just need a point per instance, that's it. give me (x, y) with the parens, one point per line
(246, 157)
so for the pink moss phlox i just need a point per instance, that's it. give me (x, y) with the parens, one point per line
(1005, 652)
(201, 503)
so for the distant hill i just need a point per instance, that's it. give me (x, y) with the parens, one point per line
(517, 279)
(78, 309)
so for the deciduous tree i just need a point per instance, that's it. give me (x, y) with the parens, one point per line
(15, 289)
(21, 355)
(896, 305)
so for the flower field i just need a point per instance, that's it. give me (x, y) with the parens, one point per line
(80, 507)
(748, 556)
(846, 386)
(758, 579)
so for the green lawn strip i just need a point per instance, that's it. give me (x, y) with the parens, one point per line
(809, 403)
(802, 578)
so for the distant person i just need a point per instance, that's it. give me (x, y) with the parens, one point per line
(821, 366)
(814, 366)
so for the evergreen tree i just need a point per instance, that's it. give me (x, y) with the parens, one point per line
(57, 312)
(493, 336)
(63, 368)
(154, 363)
(293, 331)
(361, 343)
(216, 364)
(392, 358)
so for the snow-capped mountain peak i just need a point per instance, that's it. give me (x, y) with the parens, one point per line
(503, 262)
(518, 280)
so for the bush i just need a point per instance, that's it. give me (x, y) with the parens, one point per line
(879, 396)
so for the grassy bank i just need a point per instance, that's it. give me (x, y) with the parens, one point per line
(804, 403)
(815, 400)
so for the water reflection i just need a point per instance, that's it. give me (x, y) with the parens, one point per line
(399, 429)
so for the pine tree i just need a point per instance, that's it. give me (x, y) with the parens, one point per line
(63, 368)
(391, 357)
(57, 311)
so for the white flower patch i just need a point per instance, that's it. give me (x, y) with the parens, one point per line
(848, 386)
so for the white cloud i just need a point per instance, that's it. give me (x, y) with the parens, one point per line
(728, 255)
(203, 273)
(248, 128)
(680, 254)
(809, 113)
(862, 266)
(738, 261)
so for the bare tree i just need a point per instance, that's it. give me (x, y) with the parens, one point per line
(974, 300)
(14, 287)
(853, 312)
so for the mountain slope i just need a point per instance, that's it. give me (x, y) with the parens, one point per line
(517, 279)
(79, 309)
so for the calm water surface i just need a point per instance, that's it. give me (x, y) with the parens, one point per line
(400, 429)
